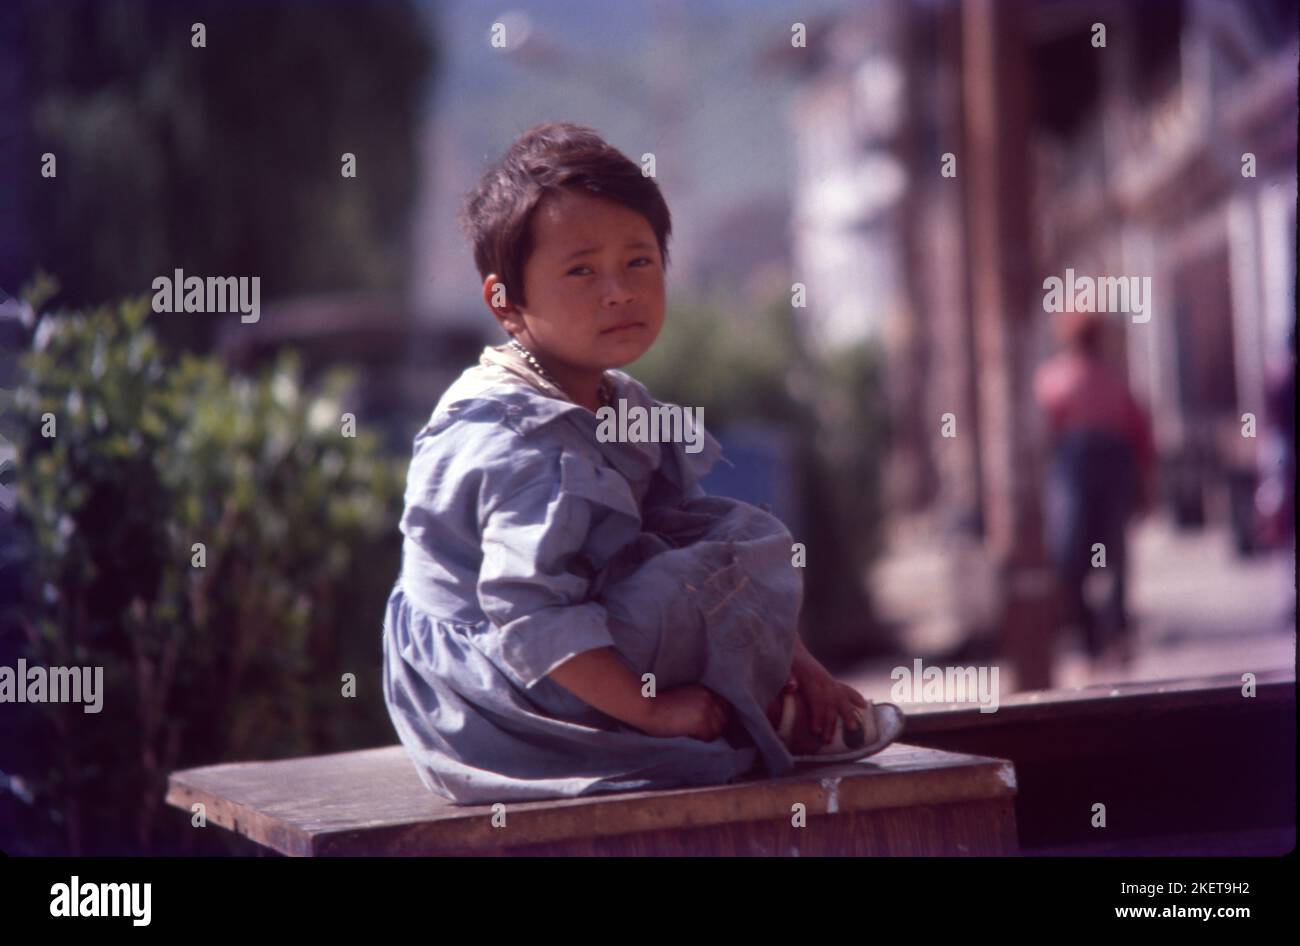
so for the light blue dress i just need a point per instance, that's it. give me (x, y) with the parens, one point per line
(528, 541)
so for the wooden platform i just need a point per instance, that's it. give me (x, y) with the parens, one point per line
(1184, 766)
(907, 800)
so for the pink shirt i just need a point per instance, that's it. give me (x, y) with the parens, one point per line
(1081, 393)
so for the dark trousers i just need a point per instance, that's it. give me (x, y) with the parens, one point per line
(1091, 490)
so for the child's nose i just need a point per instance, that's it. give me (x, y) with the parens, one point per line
(617, 290)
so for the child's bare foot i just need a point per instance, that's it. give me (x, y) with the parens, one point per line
(850, 741)
(775, 708)
(801, 739)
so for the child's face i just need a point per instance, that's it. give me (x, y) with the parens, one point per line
(594, 283)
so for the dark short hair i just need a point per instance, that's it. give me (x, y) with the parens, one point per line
(543, 160)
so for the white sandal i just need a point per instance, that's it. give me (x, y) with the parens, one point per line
(879, 724)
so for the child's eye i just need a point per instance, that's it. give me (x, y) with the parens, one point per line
(645, 260)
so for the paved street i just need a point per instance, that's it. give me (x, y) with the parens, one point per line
(1199, 610)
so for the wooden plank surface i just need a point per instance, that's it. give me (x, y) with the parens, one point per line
(372, 801)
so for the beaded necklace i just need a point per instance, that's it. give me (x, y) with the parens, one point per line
(605, 392)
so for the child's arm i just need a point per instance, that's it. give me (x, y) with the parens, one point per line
(601, 679)
(533, 525)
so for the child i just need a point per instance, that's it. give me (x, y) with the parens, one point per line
(578, 616)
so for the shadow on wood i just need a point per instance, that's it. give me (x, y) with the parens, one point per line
(1182, 766)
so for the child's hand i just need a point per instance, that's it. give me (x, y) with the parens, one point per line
(691, 710)
(826, 697)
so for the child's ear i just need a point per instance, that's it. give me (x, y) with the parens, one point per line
(500, 304)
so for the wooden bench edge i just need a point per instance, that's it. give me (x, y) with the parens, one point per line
(824, 792)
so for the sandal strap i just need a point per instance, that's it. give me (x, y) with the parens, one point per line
(838, 743)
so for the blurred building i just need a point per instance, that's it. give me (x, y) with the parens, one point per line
(952, 156)
(1178, 161)
(1134, 167)
(873, 89)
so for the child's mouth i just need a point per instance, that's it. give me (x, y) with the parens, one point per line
(623, 329)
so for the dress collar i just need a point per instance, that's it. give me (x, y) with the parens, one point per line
(509, 360)
(532, 402)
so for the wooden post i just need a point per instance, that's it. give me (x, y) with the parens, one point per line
(996, 72)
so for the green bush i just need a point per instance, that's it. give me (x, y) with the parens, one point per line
(239, 659)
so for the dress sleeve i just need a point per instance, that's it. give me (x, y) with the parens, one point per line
(535, 579)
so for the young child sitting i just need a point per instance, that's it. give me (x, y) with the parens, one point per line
(576, 615)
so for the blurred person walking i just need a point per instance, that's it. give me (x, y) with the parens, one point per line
(1100, 475)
